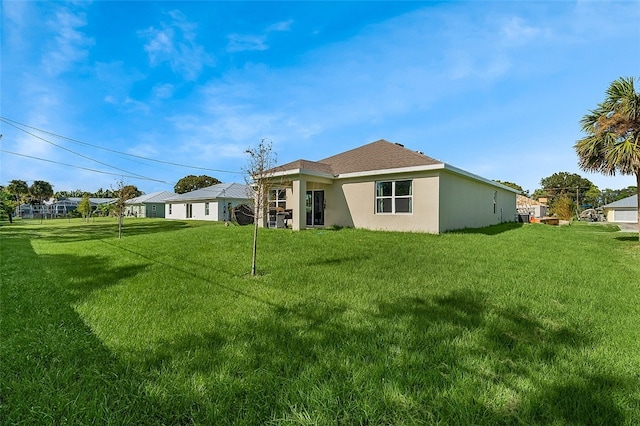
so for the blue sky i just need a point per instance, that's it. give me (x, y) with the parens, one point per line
(495, 88)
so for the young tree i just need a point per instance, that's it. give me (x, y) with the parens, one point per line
(192, 182)
(40, 190)
(612, 143)
(84, 207)
(258, 175)
(123, 193)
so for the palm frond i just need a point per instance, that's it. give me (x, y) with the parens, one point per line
(612, 143)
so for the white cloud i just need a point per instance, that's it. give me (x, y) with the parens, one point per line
(242, 43)
(515, 31)
(253, 42)
(174, 43)
(280, 26)
(69, 46)
(163, 91)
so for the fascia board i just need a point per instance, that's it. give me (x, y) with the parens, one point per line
(391, 171)
(461, 172)
(294, 172)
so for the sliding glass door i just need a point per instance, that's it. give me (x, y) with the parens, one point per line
(315, 208)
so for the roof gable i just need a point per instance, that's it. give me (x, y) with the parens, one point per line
(629, 202)
(379, 155)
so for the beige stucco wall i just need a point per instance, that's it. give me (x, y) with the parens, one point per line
(352, 203)
(442, 201)
(468, 203)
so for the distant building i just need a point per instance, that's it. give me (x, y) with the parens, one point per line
(211, 203)
(534, 208)
(625, 210)
(148, 205)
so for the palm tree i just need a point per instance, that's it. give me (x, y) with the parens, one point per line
(612, 143)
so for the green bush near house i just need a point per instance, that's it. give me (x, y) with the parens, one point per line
(514, 324)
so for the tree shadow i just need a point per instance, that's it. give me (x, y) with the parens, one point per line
(628, 238)
(489, 230)
(92, 231)
(409, 351)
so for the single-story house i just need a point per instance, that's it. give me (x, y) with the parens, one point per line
(625, 210)
(385, 186)
(211, 203)
(148, 205)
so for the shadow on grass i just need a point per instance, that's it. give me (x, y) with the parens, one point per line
(629, 238)
(438, 359)
(61, 231)
(447, 358)
(489, 230)
(53, 369)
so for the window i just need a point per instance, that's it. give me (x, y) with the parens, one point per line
(394, 196)
(495, 201)
(277, 199)
(153, 207)
(206, 209)
(170, 205)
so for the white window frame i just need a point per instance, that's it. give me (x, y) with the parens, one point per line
(393, 197)
(206, 208)
(278, 198)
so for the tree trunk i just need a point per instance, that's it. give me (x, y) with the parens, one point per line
(638, 191)
(255, 246)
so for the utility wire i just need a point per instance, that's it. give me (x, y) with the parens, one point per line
(9, 121)
(73, 152)
(85, 168)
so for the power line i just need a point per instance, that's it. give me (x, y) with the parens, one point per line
(9, 121)
(85, 168)
(73, 152)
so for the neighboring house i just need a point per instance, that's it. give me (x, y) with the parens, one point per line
(59, 207)
(211, 203)
(71, 203)
(531, 207)
(625, 210)
(384, 186)
(148, 205)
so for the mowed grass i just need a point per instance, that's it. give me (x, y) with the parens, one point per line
(506, 325)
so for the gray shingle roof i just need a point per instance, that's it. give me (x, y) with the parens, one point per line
(629, 202)
(221, 190)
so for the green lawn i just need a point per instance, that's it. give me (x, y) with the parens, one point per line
(511, 324)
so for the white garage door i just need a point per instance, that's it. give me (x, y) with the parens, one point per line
(625, 216)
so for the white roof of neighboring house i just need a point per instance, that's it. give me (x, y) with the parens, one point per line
(154, 197)
(92, 200)
(221, 190)
(629, 202)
